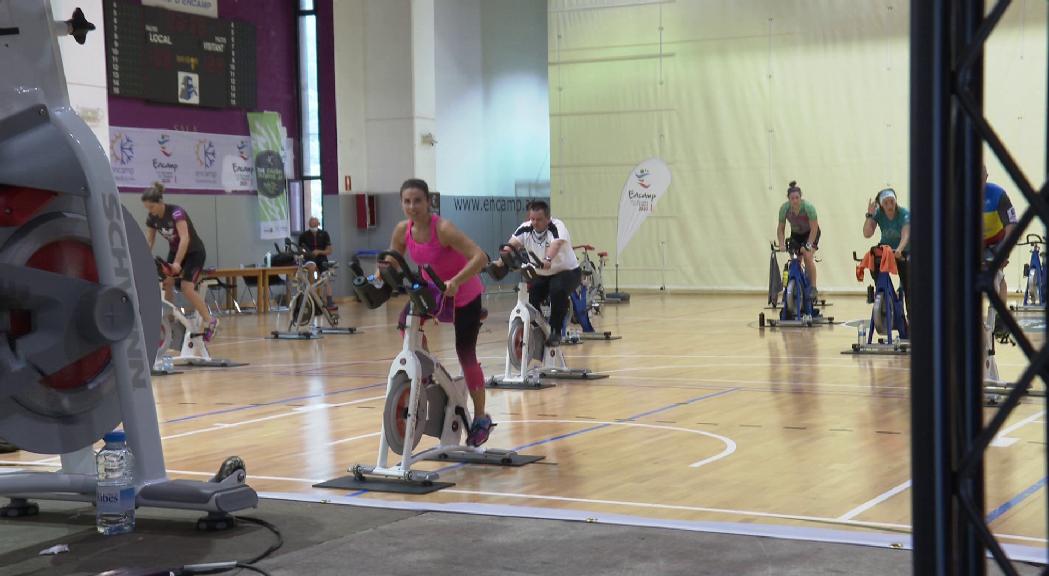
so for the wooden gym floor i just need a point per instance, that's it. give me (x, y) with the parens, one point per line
(706, 421)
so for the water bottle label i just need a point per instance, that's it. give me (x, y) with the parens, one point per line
(115, 500)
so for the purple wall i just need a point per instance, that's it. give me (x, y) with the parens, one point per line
(331, 180)
(276, 41)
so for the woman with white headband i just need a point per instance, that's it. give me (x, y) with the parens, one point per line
(895, 223)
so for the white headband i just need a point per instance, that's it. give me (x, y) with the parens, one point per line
(885, 194)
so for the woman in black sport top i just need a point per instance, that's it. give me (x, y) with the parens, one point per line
(186, 252)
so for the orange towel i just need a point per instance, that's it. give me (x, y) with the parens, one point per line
(888, 262)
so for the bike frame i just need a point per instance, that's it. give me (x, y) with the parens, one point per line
(802, 303)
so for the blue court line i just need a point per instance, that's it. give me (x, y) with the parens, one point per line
(586, 430)
(265, 404)
(999, 511)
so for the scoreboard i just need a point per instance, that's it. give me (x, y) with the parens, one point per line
(178, 58)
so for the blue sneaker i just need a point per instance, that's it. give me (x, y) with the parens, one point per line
(480, 430)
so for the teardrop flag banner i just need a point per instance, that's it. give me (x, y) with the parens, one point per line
(644, 187)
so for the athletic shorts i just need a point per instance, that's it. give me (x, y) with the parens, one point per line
(801, 239)
(192, 267)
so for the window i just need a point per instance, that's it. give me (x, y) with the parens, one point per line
(309, 108)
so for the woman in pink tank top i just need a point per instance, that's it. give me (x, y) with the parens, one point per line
(456, 259)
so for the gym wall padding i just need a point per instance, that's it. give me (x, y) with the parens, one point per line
(739, 98)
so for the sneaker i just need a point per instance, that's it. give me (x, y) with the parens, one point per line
(554, 340)
(331, 306)
(480, 430)
(212, 328)
(7, 447)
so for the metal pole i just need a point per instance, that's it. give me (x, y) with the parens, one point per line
(931, 507)
(966, 167)
(946, 368)
(1045, 235)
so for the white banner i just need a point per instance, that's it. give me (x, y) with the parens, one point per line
(181, 160)
(645, 185)
(208, 8)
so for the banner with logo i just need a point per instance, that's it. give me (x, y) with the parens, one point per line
(645, 185)
(267, 142)
(183, 160)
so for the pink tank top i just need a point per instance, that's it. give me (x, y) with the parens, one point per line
(446, 262)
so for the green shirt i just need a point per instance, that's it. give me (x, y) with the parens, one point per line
(800, 223)
(892, 230)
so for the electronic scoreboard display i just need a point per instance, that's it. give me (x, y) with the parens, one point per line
(178, 58)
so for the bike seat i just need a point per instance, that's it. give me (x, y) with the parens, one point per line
(603, 254)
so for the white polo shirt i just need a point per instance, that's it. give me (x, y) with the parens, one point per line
(537, 243)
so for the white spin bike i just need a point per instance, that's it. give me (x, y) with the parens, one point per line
(422, 398)
(528, 359)
(995, 390)
(184, 334)
(309, 317)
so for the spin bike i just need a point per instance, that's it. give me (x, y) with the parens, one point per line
(528, 359)
(422, 398)
(799, 308)
(887, 311)
(182, 333)
(1034, 276)
(78, 294)
(309, 318)
(586, 300)
(995, 389)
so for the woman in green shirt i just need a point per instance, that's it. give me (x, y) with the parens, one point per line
(804, 230)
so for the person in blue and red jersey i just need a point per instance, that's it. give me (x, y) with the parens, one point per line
(999, 219)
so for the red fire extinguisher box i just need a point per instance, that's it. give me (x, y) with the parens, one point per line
(366, 216)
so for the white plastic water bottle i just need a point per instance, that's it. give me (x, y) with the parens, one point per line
(266, 260)
(115, 490)
(861, 334)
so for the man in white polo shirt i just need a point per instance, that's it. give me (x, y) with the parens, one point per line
(548, 239)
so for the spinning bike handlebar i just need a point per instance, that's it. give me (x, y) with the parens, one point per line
(872, 250)
(163, 268)
(790, 248)
(1037, 239)
(418, 288)
(514, 260)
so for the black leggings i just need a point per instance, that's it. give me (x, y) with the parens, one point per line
(558, 289)
(903, 267)
(467, 326)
